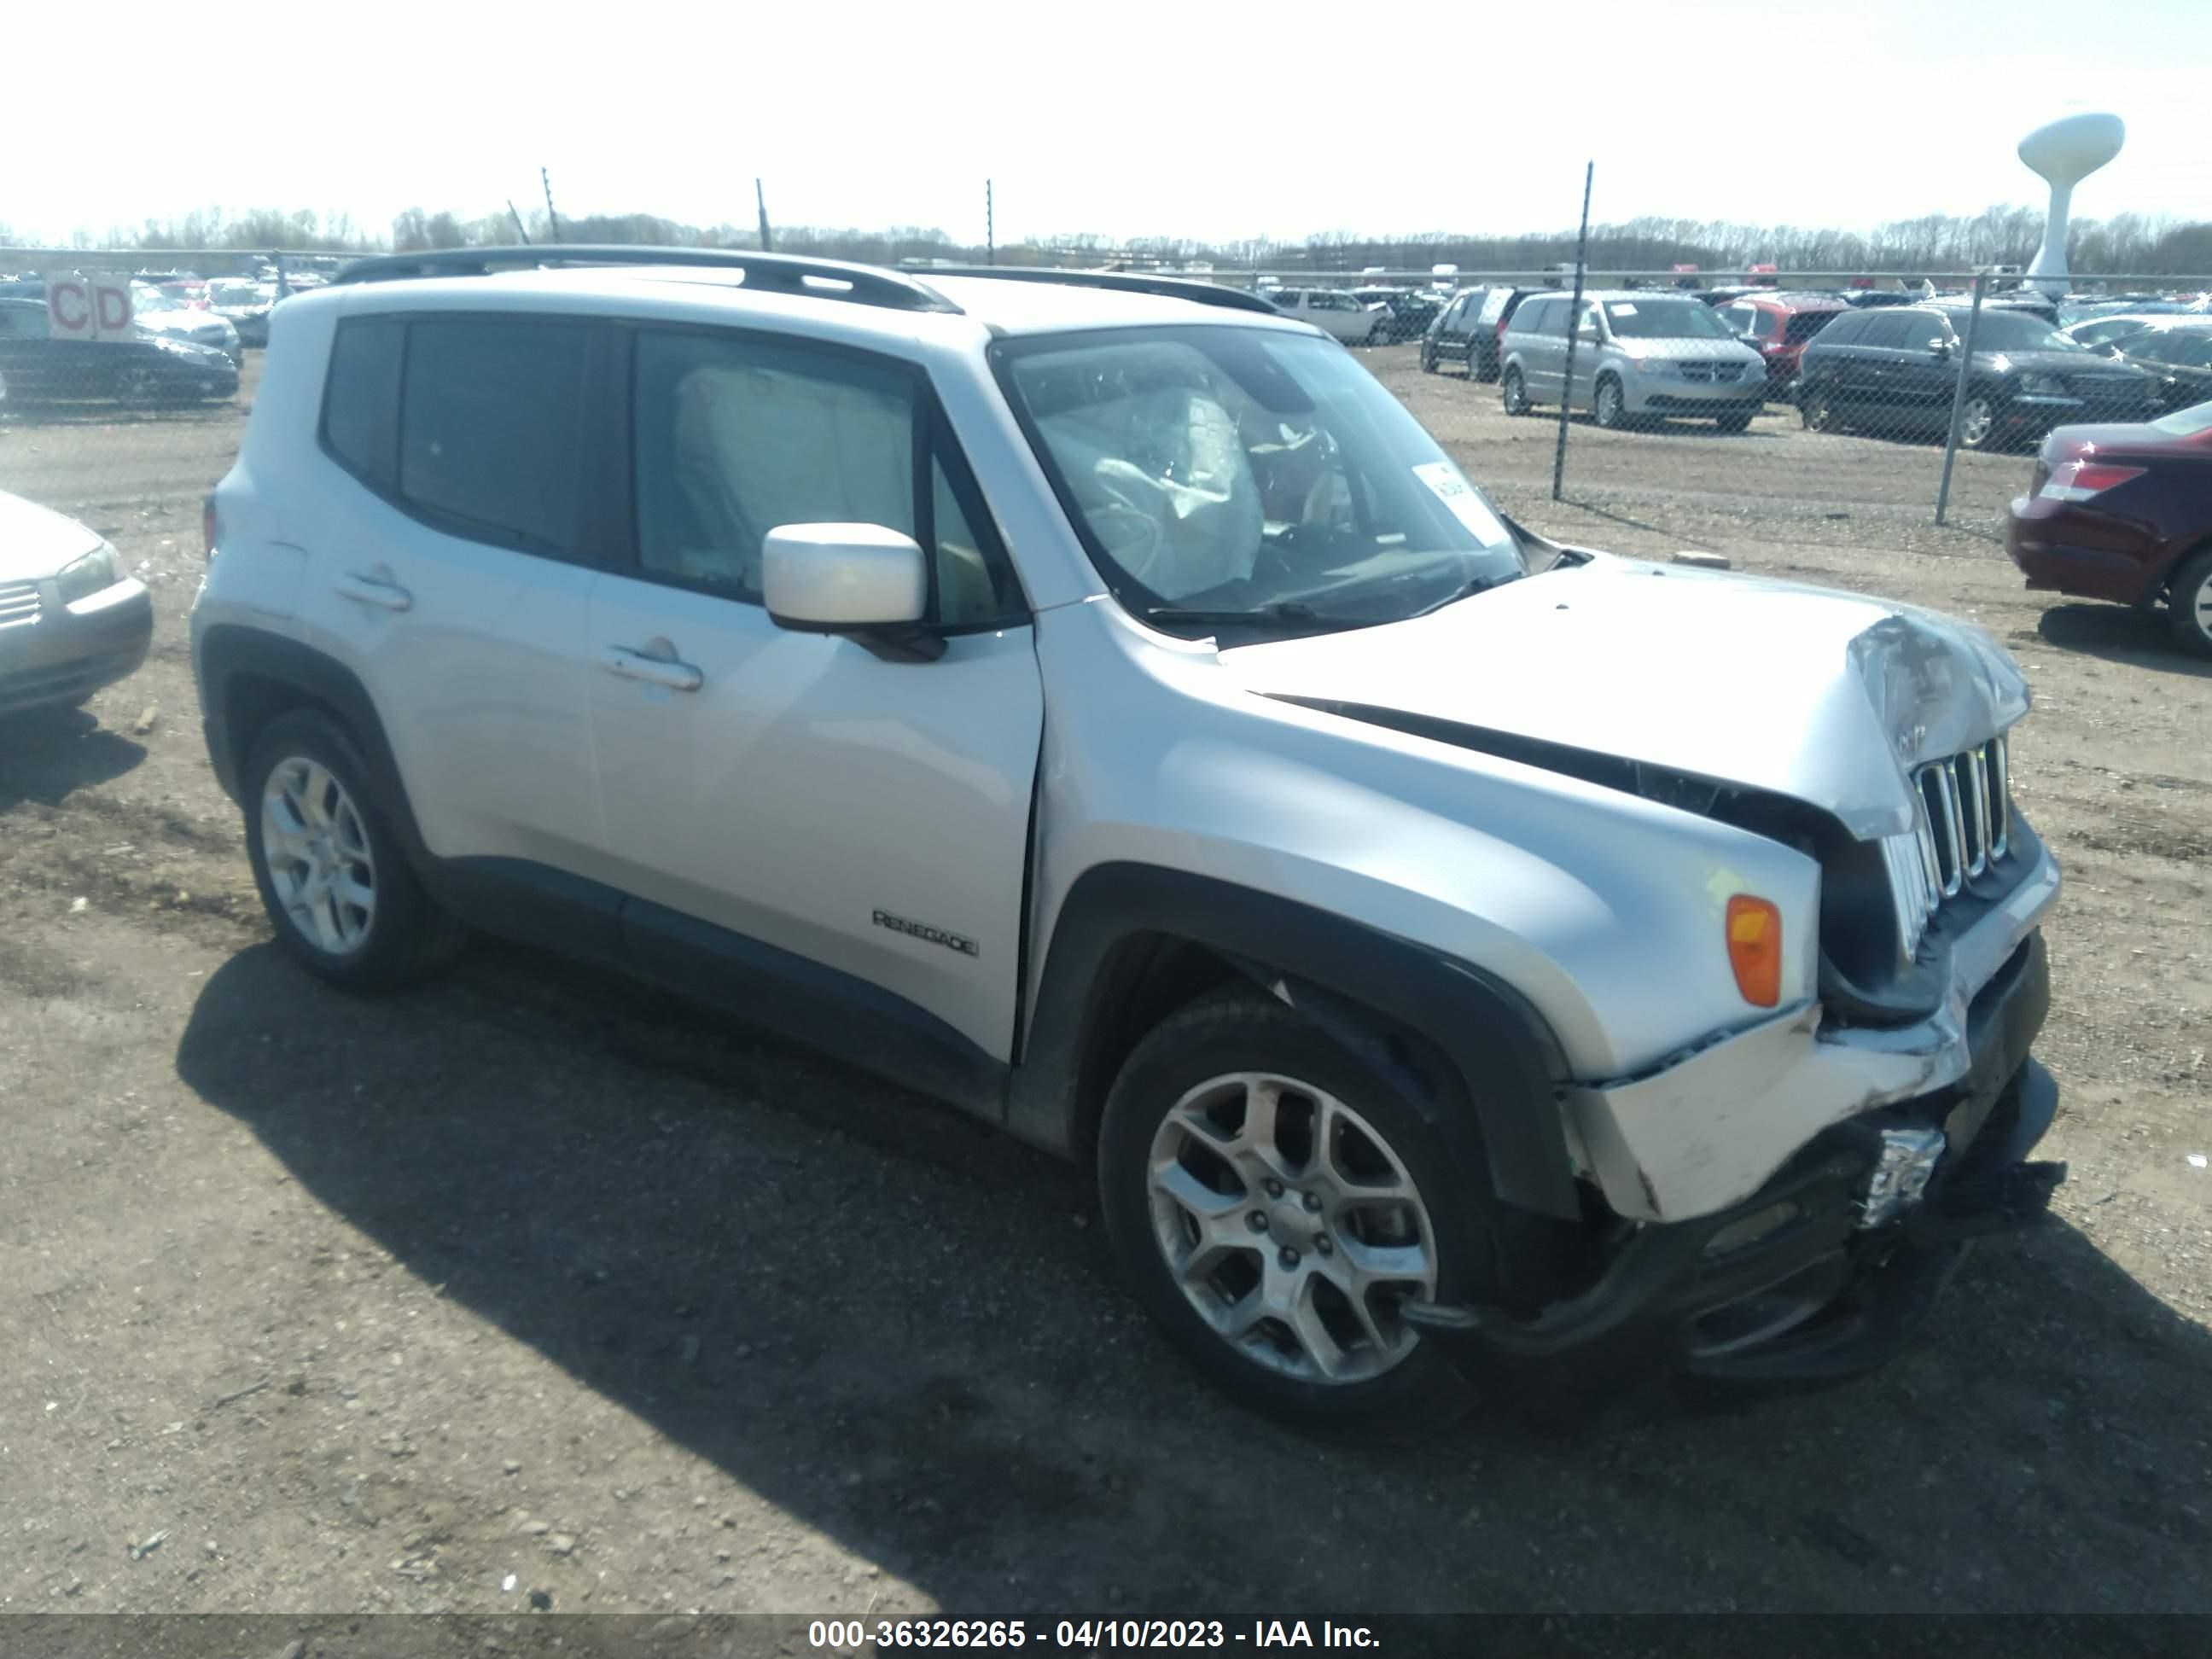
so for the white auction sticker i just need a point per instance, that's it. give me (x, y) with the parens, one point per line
(1445, 482)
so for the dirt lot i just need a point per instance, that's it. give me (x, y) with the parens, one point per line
(530, 1277)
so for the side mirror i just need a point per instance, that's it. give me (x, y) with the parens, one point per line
(862, 580)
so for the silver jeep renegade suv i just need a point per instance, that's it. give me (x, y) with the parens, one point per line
(1096, 703)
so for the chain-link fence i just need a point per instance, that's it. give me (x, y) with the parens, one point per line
(1702, 406)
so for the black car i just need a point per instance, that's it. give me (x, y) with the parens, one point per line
(1466, 331)
(145, 368)
(1892, 372)
(2178, 359)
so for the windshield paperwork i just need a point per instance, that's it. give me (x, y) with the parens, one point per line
(1665, 320)
(1224, 475)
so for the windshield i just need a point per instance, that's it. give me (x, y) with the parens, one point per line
(236, 294)
(2186, 423)
(2014, 331)
(144, 297)
(1665, 320)
(1249, 471)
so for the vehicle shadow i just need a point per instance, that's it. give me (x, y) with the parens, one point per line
(47, 754)
(888, 1321)
(2120, 634)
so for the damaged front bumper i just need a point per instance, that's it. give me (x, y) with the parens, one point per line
(1824, 1269)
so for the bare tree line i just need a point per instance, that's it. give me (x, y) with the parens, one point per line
(2127, 242)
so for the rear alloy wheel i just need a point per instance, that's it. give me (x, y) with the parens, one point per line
(333, 876)
(2188, 604)
(1612, 406)
(1978, 422)
(1818, 411)
(138, 385)
(1270, 1199)
(1514, 393)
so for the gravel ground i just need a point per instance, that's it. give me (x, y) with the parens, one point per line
(533, 1278)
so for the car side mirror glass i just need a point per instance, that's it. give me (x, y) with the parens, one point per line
(843, 578)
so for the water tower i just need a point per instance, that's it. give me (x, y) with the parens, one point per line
(2065, 152)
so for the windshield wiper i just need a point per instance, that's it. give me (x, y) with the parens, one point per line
(1466, 590)
(1275, 612)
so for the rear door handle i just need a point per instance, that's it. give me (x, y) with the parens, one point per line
(367, 590)
(654, 671)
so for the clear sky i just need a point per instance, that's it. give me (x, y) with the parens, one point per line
(1169, 116)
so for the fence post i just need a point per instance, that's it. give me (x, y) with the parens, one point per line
(1574, 313)
(1959, 396)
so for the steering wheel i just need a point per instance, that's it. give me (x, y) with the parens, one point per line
(1121, 508)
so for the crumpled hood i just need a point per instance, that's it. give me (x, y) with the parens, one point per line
(36, 541)
(1829, 698)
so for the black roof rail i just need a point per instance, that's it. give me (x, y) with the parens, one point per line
(1130, 281)
(775, 273)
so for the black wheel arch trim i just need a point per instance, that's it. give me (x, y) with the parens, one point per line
(229, 651)
(1501, 1065)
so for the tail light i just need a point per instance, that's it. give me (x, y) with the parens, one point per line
(2081, 480)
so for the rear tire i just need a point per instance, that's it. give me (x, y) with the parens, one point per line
(332, 873)
(1515, 393)
(1818, 410)
(1428, 357)
(1212, 1244)
(1481, 364)
(2188, 604)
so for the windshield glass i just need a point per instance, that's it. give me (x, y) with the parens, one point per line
(1665, 320)
(1233, 470)
(2014, 331)
(146, 297)
(2186, 423)
(236, 294)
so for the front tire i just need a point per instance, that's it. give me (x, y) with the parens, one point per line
(1272, 1203)
(1611, 407)
(332, 874)
(1978, 422)
(1514, 392)
(2188, 604)
(1817, 410)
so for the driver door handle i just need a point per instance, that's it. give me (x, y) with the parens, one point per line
(367, 590)
(654, 671)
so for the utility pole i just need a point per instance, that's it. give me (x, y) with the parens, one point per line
(760, 201)
(551, 217)
(517, 217)
(990, 227)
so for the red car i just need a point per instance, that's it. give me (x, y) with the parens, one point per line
(2125, 513)
(1777, 326)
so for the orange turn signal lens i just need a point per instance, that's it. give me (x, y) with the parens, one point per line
(1754, 946)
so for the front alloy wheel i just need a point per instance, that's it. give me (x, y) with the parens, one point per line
(1612, 410)
(1978, 422)
(1514, 392)
(1276, 1206)
(2188, 604)
(1291, 1226)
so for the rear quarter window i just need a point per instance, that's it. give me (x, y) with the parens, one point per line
(361, 399)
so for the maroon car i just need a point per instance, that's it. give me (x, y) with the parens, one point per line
(2125, 513)
(1777, 326)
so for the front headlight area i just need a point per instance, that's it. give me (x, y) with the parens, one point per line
(95, 573)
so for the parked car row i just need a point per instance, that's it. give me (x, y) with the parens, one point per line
(150, 367)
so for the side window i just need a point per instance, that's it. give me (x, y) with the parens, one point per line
(1739, 317)
(27, 323)
(2196, 353)
(491, 431)
(1848, 329)
(1887, 330)
(734, 437)
(361, 399)
(1557, 313)
(1764, 323)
